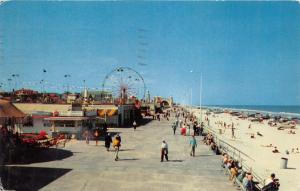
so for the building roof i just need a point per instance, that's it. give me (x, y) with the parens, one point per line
(7, 109)
(26, 92)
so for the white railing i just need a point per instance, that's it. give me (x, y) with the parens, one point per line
(235, 154)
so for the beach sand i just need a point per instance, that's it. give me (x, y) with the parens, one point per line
(266, 162)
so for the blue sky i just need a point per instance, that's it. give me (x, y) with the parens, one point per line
(248, 52)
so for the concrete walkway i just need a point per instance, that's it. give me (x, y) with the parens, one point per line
(139, 168)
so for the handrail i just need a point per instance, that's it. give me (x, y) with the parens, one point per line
(220, 140)
(228, 148)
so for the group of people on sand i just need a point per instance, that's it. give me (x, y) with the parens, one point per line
(295, 151)
(275, 150)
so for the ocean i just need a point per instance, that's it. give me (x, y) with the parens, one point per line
(282, 109)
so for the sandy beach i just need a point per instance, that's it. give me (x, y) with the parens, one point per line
(265, 161)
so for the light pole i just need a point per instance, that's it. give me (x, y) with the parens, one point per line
(9, 84)
(42, 85)
(66, 77)
(15, 77)
(200, 97)
(1, 85)
(191, 104)
(44, 81)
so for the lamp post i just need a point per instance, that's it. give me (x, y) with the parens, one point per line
(42, 85)
(191, 103)
(15, 77)
(9, 84)
(44, 81)
(200, 97)
(67, 87)
(1, 85)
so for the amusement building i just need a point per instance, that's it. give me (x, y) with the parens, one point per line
(122, 99)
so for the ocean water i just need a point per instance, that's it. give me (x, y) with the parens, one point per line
(284, 109)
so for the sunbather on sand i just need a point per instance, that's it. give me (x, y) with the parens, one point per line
(275, 150)
(293, 151)
(270, 145)
(291, 132)
(259, 134)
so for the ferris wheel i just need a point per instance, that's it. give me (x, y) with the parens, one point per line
(124, 82)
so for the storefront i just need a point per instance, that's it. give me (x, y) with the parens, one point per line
(108, 116)
(72, 126)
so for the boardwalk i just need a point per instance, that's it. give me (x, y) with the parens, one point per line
(93, 168)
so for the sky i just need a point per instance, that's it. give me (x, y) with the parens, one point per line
(247, 52)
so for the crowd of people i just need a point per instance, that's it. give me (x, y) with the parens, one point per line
(188, 125)
(209, 140)
(246, 179)
(236, 172)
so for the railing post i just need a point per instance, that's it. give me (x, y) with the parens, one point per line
(233, 153)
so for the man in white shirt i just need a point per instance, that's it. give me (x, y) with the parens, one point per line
(164, 151)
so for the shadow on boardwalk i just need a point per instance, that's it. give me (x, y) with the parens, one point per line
(38, 155)
(29, 178)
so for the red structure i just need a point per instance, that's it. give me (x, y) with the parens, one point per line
(26, 92)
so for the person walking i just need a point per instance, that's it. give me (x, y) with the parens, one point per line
(87, 136)
(195, 129)
(108, 141)
(97, 135)
(117, 145)
(164, 151)
(188, 130)
(105, 127)
(193, 144)
(174, 126)
(134, 125)
(232, 132)
(177, 123)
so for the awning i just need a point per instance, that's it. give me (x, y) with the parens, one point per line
(8, 110)
(9, 114)
(107, 112)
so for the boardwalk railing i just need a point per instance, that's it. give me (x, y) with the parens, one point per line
(235, 154)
